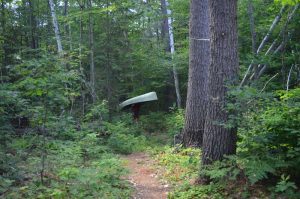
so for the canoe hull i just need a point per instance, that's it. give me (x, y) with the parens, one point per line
(139, 99)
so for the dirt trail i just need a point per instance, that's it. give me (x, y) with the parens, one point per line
(144, 177)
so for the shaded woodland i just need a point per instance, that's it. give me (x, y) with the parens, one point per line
(226, 123)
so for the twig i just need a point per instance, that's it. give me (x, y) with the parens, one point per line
(264, 87)
(268, 82)
(288, 79)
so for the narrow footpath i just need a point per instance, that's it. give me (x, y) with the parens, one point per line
(144, 178)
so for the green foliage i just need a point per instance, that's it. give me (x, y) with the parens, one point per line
(79, 168)
(122, 140)
(153, 122)
(98, 111)
(53, 93)
(101, 180)
(288, 2)
(175, 122)
(287, 187)
(179, 165)
(271, 133)
(188, 191)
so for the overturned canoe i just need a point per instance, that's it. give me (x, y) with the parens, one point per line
(139, 99)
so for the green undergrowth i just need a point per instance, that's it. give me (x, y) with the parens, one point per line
(80, 160)
(180, 167)
(267, 161)
(179, 164)
(234, 177)
(81, 167)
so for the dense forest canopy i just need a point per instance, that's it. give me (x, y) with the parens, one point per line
(226, 74)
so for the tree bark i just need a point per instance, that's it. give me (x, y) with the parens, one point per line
(261, 68)
(33, 24)
(262, 44)
(252, 26)
(267, 36)
(164, 26)
(219, 139)
(288, 78)
(167, 29)
(2, 41)
(196, 104)
(80, 57)
(92, 62)
(109, 69)
(68, 32)
(56, 28)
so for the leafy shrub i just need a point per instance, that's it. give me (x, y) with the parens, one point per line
(188, 191)
(122, 140)
(175, 121)
(270, 137)
(222, 171)
(80, 168)
(257, 168)
(98, 111)
(179, 164)
(286, 188)
(100, 180)
(153, 122)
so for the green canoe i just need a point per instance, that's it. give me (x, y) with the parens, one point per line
(139, 99)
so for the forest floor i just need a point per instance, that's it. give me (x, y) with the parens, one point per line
(144, 177)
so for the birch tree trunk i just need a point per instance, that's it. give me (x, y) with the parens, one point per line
(56, 28)
(219, 140)
(168, 29)
(262, 67)
(262, 44)
(92, 62)
(199, 59)
(272, 27)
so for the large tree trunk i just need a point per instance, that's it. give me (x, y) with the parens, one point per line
(55, 26)
(198, 71)
(219, 139)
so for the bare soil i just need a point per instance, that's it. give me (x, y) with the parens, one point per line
(144, 177)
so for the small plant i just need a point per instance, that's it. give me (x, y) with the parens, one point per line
(180, 165)
(122, 140)
(175, 122)
(153, 122)
(286, 187)
(98, 111)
